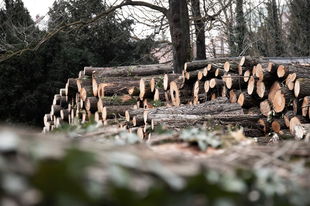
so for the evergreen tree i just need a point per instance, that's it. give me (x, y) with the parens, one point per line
(29, 81)
(22, 94)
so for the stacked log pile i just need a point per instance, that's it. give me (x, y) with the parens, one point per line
(256, 94)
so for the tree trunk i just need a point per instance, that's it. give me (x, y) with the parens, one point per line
(199, 30)
(180, 34)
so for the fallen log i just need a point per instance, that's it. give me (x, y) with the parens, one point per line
(282, 99)
(302, 87)
(134, 70)
(177, 121)
(247, 101)
(273, 89)
(278, 124)
(265, 124)
(265, 107)
(297, 107)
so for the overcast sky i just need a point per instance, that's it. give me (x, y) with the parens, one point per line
(40, 7)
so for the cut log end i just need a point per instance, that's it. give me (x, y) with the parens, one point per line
(174, 93)
(278, 102)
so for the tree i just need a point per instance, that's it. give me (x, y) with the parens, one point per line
(30, 80)
(199, 30)
(240, 30)
(299, 27)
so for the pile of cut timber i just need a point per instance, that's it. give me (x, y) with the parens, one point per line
(258, 95)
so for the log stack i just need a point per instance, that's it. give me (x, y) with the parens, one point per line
(253, 93)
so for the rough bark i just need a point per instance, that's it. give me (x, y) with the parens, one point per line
(302, 87)
(199, 30)
(134, 70)
(248, 122)
(179, 30)
(305, 106)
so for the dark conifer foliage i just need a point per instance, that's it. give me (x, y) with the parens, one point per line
(28, 81)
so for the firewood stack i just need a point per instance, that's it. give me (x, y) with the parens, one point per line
(256, 94)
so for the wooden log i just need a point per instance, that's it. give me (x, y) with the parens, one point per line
(86, 91)
(71, 88)
(287, 117)
(252, 83)
(117, 100)
(217, 106)
(295, 121)
(234, 81)
(169, 78)
(278, 124)
(91, 104)
(302, 87)
(282, 71)
(86, 81)
(179, 96)
(47, 118)
(285, 134)
(263, 74)
(64, 114)
(134, 91)
(192, 76)
(297, 107)
(55, 110)
(233, 95)
(282, 99)
(265, 124)
(60, 100)
(246, 76)
(134, 70)
(261, 90)
(248, 122)
(265, 107)
(145, 89)
(88, 71)
(290, 81)
(273, 89)
(302, 131)
(118, 88)
(198, 88)
(216, 83)
(232, 65)
(218, 73)
(273, 67)
(191, 66)
(254, 110)
(62, 92)
(115, 111)
(247, 101)
(81, 74)
(156, 82)
(305, 106)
